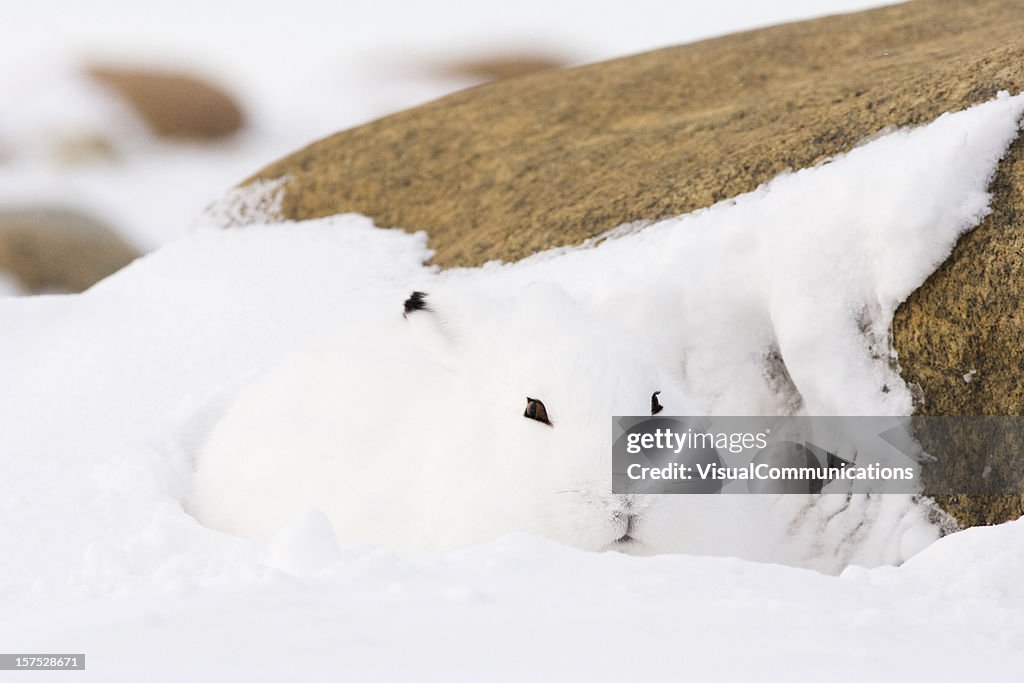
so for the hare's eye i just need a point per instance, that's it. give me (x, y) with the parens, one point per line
(535, 410)
(655, 403)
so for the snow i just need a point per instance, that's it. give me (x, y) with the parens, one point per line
(108, 392)
(523, 608)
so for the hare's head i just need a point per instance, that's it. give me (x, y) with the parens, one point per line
(537, 380)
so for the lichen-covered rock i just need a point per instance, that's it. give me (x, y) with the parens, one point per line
(57, 250)
(554, 158)
(961, 336)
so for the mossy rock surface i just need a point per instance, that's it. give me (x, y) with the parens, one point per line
(507, 169)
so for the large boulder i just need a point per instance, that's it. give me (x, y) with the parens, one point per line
(557, 157)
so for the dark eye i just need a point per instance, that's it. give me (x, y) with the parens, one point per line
(535, 410)
(655, 403)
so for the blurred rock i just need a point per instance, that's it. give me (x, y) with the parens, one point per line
(500, 67)
(173, 105)
(80, 149)
(47, 249)
(550, 159)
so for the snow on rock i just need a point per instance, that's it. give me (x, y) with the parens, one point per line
(257, 202)
(107, 392)
(809, 267)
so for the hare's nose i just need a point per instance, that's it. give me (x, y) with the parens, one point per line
(625, 526)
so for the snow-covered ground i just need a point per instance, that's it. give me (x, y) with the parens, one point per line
(526, 610)
(104, 392)
(301, 71)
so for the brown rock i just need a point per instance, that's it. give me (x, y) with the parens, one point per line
(550, 159)
(960, 336)
(85, 148)
(174, 105)
(57, 250)
(501, 67)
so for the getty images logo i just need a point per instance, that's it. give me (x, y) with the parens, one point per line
(681, 455)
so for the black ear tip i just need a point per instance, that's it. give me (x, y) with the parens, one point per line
(417, 301)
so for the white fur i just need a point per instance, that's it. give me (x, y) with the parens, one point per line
(429, 449)
(409, 433)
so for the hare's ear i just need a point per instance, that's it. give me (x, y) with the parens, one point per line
(436, 332)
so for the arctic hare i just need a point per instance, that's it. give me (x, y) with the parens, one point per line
(466, 417)
(459, 421)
